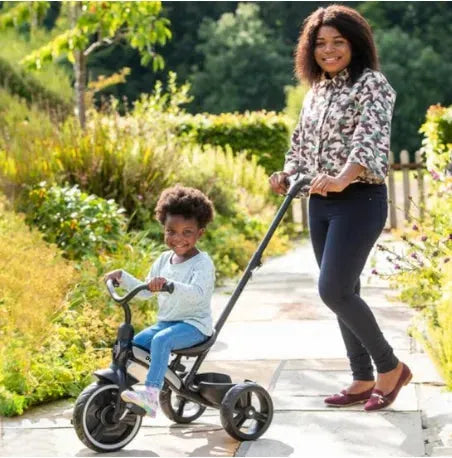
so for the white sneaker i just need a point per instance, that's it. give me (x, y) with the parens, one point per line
(147, 398)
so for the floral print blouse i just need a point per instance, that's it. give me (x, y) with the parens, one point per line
(342, 123)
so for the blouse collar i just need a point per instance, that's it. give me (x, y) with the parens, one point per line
(339, 80)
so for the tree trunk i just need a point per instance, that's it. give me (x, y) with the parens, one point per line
(80, 86)
(80, 73)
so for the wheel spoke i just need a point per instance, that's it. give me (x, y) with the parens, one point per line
(261, 417)
(239, 420)
(180, 407)
(97, 430)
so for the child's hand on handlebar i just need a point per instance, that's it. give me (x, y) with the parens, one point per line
(156, 284)
(279, 182)
(114, 275)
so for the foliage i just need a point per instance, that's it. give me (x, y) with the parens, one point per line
(438, 141)
(51, 87)
(138, 23)
(34, 280)
(240, 53)
(423, 272)
(56, 324)
(294, 102)
(80, 224)
(419, 82)
(259, 133)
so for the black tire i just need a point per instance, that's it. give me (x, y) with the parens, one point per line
(246, 411)
(178, 408)
(92, 422)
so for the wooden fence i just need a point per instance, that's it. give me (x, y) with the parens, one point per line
(403, 194)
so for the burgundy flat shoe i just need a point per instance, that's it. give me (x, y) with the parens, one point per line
(343, 399)
(379, 401)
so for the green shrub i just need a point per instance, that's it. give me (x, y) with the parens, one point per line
(294, 101)
(80, 224)
(259, 133)
(52, 82)
(34, 281)
(24, 85)
(422, 271)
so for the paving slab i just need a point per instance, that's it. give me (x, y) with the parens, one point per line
(281, 336)
(340, 434)
(306, 389)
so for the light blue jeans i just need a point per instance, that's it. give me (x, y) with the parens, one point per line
(161, 338)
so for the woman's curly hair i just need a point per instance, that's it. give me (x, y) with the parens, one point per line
(352, 26)
(187, 202)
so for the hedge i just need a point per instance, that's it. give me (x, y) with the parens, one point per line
(260, 133)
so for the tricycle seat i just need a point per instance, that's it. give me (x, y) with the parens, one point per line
(190, 351)
(197, 349)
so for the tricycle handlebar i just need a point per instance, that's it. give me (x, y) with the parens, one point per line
(111, 284)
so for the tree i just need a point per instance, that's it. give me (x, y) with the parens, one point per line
(245, 67)
(421, 78)
(95, 25)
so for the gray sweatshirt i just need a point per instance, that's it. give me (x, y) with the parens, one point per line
(193, 280)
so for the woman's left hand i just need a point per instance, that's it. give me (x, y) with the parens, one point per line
(323, 183)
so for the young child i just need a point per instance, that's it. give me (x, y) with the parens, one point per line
(184, 317)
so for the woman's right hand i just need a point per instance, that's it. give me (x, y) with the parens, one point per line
(279, 182)
(114, 275)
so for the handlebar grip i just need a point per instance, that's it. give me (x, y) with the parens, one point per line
(168, 287)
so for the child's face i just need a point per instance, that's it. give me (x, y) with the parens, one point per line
(181, 235)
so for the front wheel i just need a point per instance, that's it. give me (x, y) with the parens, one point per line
(93, 419)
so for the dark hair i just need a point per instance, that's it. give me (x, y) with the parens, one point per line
(351, 26)
(184, 201)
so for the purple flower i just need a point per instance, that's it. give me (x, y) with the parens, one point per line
(414, 255)
(415, 228)
(396, 267)
(374, 272)
(434, 175)
(139, 197)
(424, 238)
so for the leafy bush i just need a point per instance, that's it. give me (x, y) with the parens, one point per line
(79, 223)
(260, 133)
(57, 324)
(422, 271)
(34, 281)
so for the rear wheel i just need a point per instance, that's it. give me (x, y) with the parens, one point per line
(178, 408)
(93, 419)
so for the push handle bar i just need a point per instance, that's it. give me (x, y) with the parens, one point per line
(296, 183)
(111, 284)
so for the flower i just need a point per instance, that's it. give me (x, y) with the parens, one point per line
(415, 228)
(396, 266)
(374, 272)
(434, 175)
(424, 238)
(446, 260)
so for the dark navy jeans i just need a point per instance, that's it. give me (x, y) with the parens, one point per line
(344, 227)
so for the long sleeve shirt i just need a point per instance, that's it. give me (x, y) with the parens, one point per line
(342, 123)
(193, 280)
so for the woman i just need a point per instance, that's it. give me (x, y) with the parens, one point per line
(342, 141)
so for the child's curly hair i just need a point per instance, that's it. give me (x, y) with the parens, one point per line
(184, 201)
